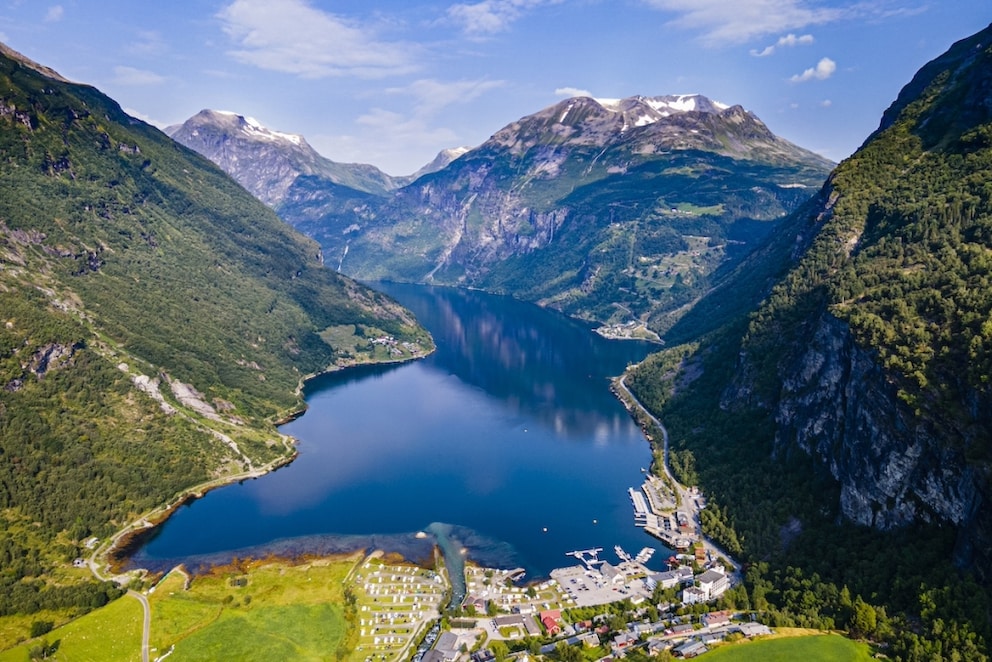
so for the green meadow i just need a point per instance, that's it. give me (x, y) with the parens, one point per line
(816, 648)
(244, 611)
(111, 633)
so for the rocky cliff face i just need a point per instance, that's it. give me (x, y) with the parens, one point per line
(871, 354)
(268, 162)
(895, 466)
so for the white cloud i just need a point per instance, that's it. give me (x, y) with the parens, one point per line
(788, 41)
(569, 92)
(823, 70)
(722, 24)
(54, 13)
(432, 95)
(826, 103)
(132, 76)
(293, 37)
(149, 42)
(381, 132)
(491, 16)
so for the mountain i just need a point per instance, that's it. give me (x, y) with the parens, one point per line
(155, 320)
(440, 162)
(610, 210)
(268, 162)
(858, 390)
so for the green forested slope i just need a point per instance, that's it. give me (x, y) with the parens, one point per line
(126, 258)
(843, 428)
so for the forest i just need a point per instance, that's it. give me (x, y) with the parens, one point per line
(896, 246)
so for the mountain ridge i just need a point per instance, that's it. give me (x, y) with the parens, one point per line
(544, 191)
(155, 321)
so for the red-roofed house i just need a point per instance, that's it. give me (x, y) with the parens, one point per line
(550, 620)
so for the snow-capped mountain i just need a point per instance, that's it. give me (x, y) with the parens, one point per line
(268, 162)
(584, 205)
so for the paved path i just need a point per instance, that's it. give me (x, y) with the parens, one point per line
(147, 626)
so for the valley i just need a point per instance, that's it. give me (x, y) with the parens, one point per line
(206, 418)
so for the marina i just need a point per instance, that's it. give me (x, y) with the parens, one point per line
(656, 511)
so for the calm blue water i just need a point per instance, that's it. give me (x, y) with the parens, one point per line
(507, 430)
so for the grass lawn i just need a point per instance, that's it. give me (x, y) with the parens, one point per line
(816, 648)
(109, 634)
(249, 611)
(254, 611)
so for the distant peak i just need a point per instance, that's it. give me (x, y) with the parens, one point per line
(671, 103)
(640, 111)
(248, 125)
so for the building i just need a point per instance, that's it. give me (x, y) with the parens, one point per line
(589, 639)
(716, 618)
(551, 621)
(694, 595)
(612, 574)
(670, 578)
(753, 629)
(714, 583)
(623, 640)
(690, 649)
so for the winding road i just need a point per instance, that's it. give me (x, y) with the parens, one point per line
(689, 503)
(147, 626)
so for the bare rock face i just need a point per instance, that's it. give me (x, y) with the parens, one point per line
(267, 162)
(896, 465)
(50, 357)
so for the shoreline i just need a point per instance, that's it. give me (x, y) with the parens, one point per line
(104, 562)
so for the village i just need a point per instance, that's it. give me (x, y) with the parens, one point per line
(602, 609)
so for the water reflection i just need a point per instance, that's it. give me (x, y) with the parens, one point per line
(508, 432)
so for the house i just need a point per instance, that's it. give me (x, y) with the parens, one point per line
(623, 640)
(476, 602)
(657, 646)
(550, 620)
(753, 629)
(716, 618)
(714, 582)
(590, 639)
(433, 656)
(684, 628)
(612, 574)
(483, 656)
(690, 649)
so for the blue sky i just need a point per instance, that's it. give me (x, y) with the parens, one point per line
(391, 83)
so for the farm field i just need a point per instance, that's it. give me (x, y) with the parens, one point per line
(815, 648)
(112, 633)
(258, 610)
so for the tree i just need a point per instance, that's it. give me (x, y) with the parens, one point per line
(863, 618)
(567, 653)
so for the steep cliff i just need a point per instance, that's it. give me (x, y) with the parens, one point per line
(872, 354)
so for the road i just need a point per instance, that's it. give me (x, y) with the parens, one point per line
(147, 626)
(688, 500)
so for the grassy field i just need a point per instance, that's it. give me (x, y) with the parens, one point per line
(112, 633)
(816, 648)
(245, 611)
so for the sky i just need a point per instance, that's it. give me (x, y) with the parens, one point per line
(393, 82)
